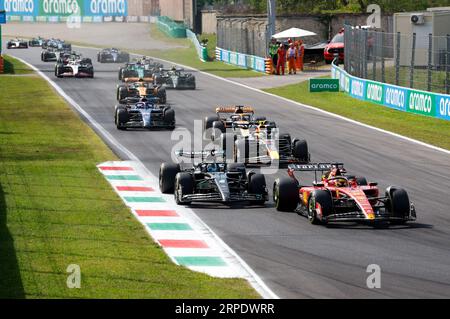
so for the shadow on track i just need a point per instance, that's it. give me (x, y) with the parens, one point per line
(11, 286)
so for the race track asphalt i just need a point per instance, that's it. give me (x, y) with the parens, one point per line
(294, 258)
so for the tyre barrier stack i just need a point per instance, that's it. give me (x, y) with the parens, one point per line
(269, 66)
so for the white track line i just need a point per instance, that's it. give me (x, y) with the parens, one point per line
(256, 282)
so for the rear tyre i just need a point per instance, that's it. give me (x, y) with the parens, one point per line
(227, 145)
(319, 200)
(218, 129)
(208, 123)
(184, 185)
(257, 185)
(122, 93)
(285, 194)
(361, 181)
(241, 151)
(300, 151)
(167, 174)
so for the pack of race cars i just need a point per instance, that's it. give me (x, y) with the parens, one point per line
(242, 143)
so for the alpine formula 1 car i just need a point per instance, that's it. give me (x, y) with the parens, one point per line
(175, 79)
(143, 113)
(141, 89)
(113, 56)
(210, 181)
(339, 197)
(74, 65)
(36, 42)
(52, 54)
(17, 44)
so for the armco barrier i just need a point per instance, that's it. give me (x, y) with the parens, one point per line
(201, 50)
(243, 60)
(171, 28)
(392, 96)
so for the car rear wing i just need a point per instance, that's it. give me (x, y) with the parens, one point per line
(234, 109)
(315, 167)
(200, 154)
(134, 79)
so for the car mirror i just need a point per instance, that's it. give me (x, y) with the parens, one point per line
(318, 184)
(373, 184)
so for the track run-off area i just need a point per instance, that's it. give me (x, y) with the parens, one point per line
(294, 258)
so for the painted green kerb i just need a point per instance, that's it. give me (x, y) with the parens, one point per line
(169, 226)
(201, 261)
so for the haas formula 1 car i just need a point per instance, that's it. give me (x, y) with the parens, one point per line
(73, 65)
(210, 181)
(143, 113)
(175, 79)
(17, 44)
(113, 56)
(341, 198)
(141, 89)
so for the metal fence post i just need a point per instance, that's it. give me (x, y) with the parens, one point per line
(413, 58)
(447, 73)
(383, 75)
(364, 57)
(397, 60)
(430, 56)
(374, 55)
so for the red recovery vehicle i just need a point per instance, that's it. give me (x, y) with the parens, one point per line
(339, 197)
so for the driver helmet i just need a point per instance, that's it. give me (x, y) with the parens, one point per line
(212, 168)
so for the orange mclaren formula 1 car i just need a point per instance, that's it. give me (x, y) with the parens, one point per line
(339, 197)
(134, 87)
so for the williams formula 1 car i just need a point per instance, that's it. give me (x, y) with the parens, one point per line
(175, 79)
(17, 44)
(141, 89)
(113, 56)
(143, 113)
(341, 198)
(74, 66)
(210, 181)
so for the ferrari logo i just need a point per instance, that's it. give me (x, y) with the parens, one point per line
(371, 216)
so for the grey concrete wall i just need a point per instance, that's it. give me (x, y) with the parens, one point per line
(209, 21)
(143, 7)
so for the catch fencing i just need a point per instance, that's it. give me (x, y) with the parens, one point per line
(417, 61)
(171, 28)
(202, 52)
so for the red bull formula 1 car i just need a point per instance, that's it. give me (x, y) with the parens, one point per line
(339, 197)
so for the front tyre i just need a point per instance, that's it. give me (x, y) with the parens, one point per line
(320, 205)
(184, 185)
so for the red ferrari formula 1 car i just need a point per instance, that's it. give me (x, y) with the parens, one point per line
(339, 197)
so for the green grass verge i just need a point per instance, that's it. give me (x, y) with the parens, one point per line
(188, 56)
(56, 209)
(429, 130)
(13, 66)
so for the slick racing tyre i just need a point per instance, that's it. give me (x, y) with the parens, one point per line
(121, 118)
(320, 205)
(257, 185)
(285, 194)
(167, 174)
(184, 185)
(218, 129)
(208, 123)
(169, 117)
(241, 151)
(399, 205)
(300, 151)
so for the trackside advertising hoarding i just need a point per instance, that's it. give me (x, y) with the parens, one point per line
(392, 96)
(243, 60)
(64, 8)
